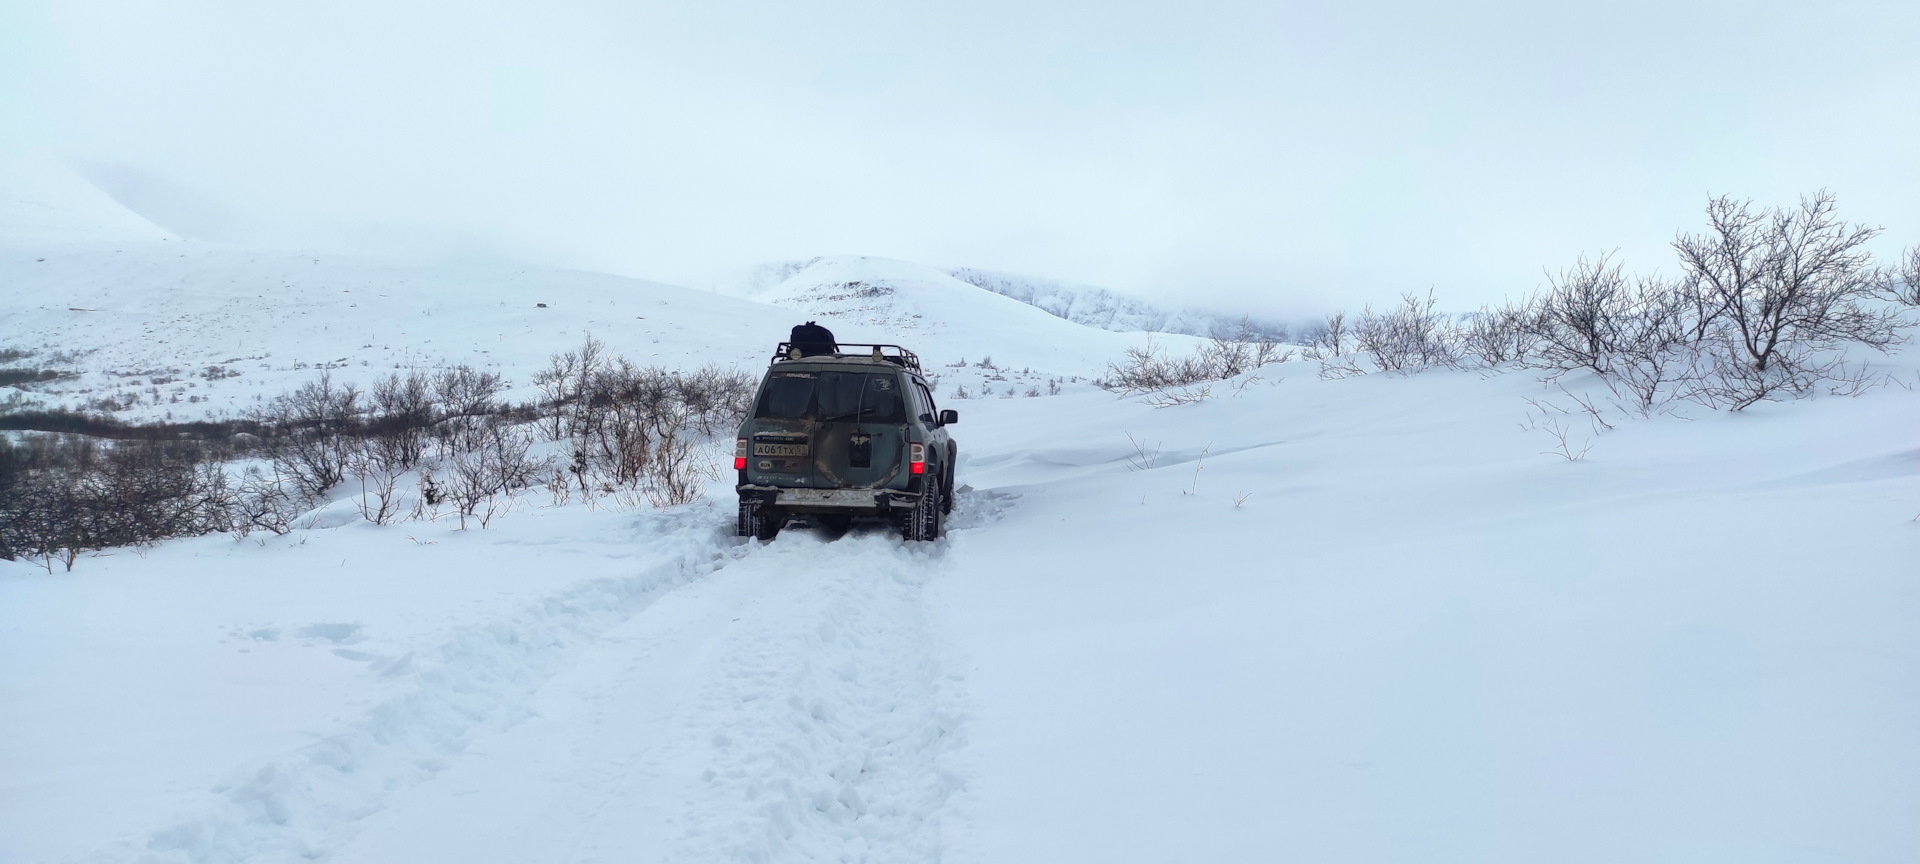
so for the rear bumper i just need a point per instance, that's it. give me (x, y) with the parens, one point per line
(853, 501)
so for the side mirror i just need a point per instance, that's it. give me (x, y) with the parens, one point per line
(949, 417)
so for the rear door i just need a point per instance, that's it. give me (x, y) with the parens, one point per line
(859, 430)
(782, 445)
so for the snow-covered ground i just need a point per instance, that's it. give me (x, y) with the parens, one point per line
(1320, 620)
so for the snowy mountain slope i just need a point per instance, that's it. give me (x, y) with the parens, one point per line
(43, 203)
(1081, 304)
(1108, 310)
(158, 328)
(138, 313)
(863, 299)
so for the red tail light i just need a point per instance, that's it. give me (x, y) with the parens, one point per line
(739, 454)
(916, 459)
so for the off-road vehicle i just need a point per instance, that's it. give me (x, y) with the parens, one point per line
(845, 434)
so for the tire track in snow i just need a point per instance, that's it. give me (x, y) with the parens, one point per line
(832, 726)
(309, 803)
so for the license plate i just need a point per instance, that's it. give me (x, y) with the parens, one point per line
(827, 497)
(779, 449)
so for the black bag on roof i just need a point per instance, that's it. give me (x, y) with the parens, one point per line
(812, 339)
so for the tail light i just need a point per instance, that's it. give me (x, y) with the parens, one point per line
(739, 454)
(916, 459)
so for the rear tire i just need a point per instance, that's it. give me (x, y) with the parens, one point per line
(760, 523)
(924, 521)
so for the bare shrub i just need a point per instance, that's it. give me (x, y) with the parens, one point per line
(1170, 397)
(1778, 293)
(1497, 335)
(469, 402)
(482, 479)
(1329, 342)
(716, 399)
(1148, 368)
(1142, 458)
(267, 501)
(1243, 349)
(1410, 337)
(1902, 281)
(565, 382)
(1327, 338)
(1556, 423)
(679, 472)
(1164, 380)
(1632, 332)
(403, 409)
(378, 466)
(309, 442)
(62, 496)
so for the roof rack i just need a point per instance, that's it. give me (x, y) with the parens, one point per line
(894, 354)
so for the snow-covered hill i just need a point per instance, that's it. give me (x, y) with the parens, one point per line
(1358, 620)
(1110, 310)
(865, 298)
(166, 328)
(1081, 304)
(44, 205)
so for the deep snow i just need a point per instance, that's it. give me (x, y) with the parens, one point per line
(1372, 623)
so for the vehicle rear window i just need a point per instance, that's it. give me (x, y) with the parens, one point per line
(789, 396)
(859, 397)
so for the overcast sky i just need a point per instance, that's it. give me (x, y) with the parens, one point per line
(1270, 156)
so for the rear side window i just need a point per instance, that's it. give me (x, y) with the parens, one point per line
(926, 400)
(789, 396)
(860, 397)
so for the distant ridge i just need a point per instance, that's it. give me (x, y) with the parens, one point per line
(1086, 305)
(1110, 310)
(44, 201)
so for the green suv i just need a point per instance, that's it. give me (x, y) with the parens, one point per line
(852, 433)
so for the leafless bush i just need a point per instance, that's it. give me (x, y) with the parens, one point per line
(1328, 338)
(1148, 368)
(1243, 349)
(1556, 423)
(309, 442)
(1777, 294)
(559, 483)
(267, 501)
(1901, 283)
(1172, 396)
(1410, 337)
(716, 399)
(433, 495)
(1498, 335)
(64, 495)
(679, 472)
(1329, 342)
(1142, 458)
(1164, 380)
(377, 465)
(1632, 332)
(469, 402)
(633, 426)
(403, 409)
(565, 383)
(483, 479)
